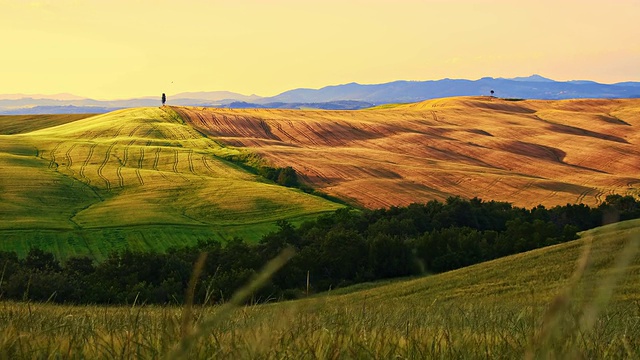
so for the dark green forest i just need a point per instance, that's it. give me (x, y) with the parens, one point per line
(336, 250)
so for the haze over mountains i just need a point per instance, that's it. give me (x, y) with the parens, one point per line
(338, 97)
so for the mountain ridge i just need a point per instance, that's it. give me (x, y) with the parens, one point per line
(333, 96)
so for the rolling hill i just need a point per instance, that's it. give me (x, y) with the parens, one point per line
(150, 178)
(136, 178)
(525, 152)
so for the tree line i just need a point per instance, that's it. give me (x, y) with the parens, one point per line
(338, 249)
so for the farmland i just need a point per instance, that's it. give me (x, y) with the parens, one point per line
(152, 178)
(574, 300)
(138, 179)
(524, 152)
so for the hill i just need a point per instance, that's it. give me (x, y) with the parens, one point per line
(574, 300)
(136, 178)
(510, 280)
(525, 152)
(150, 178)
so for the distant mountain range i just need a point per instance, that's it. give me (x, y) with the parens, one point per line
(342, 97)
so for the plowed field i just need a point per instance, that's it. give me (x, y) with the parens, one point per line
(524, 152)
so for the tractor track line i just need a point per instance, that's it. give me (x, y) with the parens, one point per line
(120, 178)
(175, 161)
(304, 134)
(582, 196)
(135, 129)
(320, 134)
(156, 160)
(52, 162)
(206, 165)
(118, 131)
(125, 158)
(175, 166)
(279, 127)
(140, 167)
(67, 155)
(190, 158)
(86, 162)
(104, 163)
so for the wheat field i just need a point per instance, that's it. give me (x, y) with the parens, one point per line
(527, 152)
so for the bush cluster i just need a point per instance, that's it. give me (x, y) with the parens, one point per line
(338, 249)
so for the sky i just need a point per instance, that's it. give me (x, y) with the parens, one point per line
(127, 48)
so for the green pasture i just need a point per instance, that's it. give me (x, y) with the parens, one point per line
(99, 242)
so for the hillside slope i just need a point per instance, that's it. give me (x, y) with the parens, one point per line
(524, 152)
(573, 300)
(136, 178)
(532, 278)
(533, 305)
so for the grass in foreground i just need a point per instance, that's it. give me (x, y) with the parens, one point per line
(575, 300)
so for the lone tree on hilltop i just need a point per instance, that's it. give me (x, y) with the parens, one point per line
(491, 95)
(164, 98)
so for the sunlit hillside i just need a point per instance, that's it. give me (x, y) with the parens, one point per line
(524, 152)
(149, 178)
(137, 178)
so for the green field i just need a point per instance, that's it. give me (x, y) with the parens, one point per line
(136, 178)
(575, 300)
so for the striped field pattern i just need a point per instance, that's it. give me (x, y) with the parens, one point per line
(137, 178)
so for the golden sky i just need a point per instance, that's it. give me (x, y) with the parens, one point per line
(125, 48)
